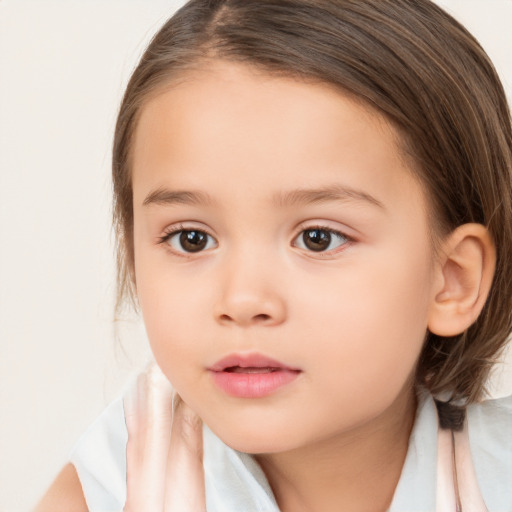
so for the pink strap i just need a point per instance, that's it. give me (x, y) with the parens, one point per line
(445, 495)
(457, 485)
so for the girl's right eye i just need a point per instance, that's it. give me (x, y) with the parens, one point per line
(189, 240)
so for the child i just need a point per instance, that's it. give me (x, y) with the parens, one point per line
(314, 209)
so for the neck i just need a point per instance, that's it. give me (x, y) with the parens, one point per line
(356, 471)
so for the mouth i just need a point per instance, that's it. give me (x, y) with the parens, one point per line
(249, 363)
(251, 375)
(250, 369)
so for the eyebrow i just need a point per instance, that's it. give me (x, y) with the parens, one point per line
(163, 196)
(166, 197)
(324, 194)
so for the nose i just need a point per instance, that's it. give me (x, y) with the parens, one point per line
(250, 294)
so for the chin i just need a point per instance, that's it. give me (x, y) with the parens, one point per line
(252, 441)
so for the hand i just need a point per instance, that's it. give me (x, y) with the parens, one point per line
(165, 449)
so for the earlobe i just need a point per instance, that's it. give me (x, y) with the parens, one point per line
(465, 273)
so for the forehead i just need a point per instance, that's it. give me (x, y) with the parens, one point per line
(233, 125)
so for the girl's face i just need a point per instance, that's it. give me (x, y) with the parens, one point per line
(277, 225)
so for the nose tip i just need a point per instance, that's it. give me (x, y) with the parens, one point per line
(249, 287)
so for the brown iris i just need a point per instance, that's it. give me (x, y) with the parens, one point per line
(193, 241)
(317, 239)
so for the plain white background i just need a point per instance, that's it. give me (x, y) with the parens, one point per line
(63, 67)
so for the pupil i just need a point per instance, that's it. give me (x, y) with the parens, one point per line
(317, 239)
(193, 241)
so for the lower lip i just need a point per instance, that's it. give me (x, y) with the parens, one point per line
(253, 385)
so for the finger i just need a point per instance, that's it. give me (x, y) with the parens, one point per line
(185, 490)
(148, 414)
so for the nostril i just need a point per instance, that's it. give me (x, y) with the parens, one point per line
(262, 317)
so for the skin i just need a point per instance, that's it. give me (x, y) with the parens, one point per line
(352, 318)
(256, 163)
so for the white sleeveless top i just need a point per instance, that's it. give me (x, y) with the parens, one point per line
(235, 482)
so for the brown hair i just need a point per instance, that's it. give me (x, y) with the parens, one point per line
(407, 59)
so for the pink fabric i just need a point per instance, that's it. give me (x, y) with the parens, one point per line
(457, 486)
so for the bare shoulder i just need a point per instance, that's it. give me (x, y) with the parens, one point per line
(65, 494)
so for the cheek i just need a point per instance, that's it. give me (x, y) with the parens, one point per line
(172, 310)
(372, 322)
(173, 325)
(171, 316)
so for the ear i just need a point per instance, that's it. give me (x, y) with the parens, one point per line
(464, 275)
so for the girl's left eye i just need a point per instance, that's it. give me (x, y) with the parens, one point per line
(320, 240)
(189, 240)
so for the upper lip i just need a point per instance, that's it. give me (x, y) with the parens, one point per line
(253, 360)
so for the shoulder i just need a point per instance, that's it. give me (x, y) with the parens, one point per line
(65, 494)
(490, 424)
(95, 477)
(490, 437)
(500, 408)
(99, 458)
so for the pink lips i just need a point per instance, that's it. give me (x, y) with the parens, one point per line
(251, 375)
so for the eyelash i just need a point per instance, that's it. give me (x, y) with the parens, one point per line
(169, 234)
(318, 227)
